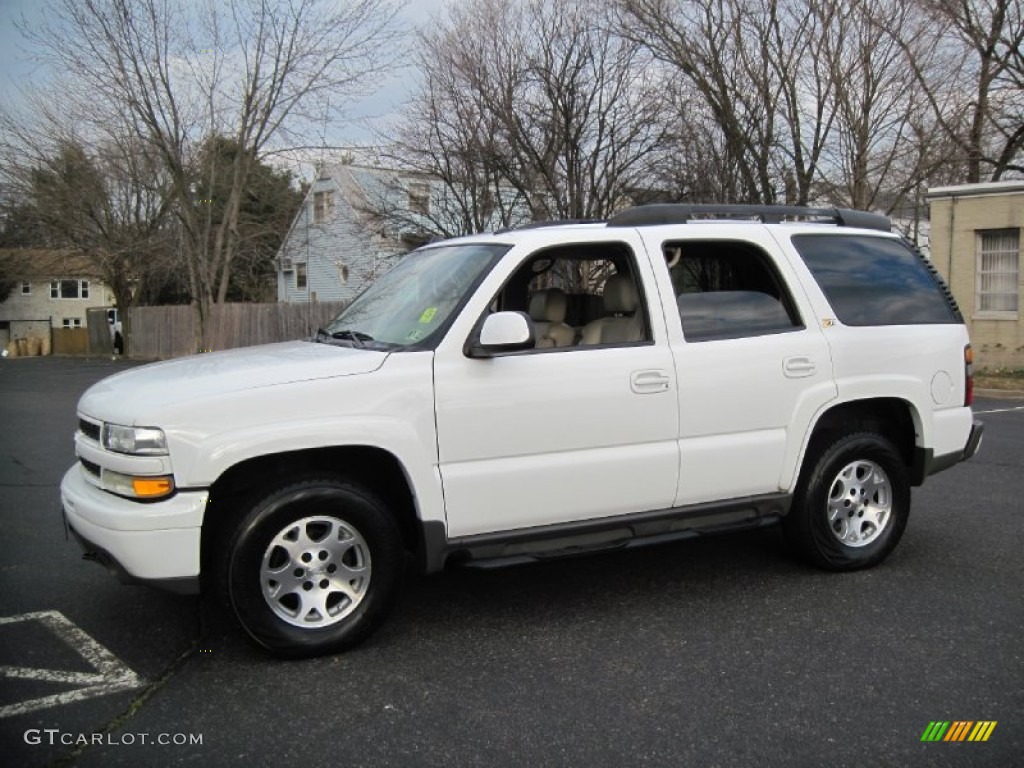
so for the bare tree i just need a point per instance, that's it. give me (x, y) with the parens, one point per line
(534, 109)
(816, 98)
(973, 79)
(107, 198)
(696, 40)
(181, 71)
(884, 144)
(759, 69)
(451, 140)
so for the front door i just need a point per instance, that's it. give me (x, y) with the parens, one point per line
(554, 435)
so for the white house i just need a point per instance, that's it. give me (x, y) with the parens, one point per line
(339, 243)
(48, 289)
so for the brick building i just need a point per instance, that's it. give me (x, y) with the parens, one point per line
(976, 245)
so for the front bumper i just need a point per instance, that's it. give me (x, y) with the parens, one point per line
(155, 543)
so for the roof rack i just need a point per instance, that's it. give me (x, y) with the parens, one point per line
(673, 213)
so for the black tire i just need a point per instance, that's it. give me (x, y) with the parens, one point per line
(321, 605)
(837, 520)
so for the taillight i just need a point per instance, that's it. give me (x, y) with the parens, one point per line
(968, 375)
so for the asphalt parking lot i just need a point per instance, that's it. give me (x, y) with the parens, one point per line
(720, 651)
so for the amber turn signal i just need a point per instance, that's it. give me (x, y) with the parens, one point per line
(151, 487)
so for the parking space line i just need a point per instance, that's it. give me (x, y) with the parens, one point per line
(111, 676)
(52, 676)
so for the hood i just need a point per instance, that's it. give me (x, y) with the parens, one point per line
(127, 397)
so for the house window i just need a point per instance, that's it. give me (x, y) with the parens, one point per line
(72, 322)
(26, 289)
(343, 272)
(419, 197)
(323, 206)
(998, 271)
(69, 289)
(300, 276)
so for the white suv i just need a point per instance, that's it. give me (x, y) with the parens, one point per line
(553, 389)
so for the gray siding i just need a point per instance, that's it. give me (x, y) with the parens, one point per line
(344, 243)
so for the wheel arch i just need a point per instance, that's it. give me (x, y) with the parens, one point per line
(375, 468)
(894, 418)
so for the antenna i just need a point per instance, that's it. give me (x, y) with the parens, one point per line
(323, 131)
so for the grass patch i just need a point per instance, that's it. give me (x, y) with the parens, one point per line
(999, 378)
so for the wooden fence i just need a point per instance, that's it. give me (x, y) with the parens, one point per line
(70, 341)
(163, 332)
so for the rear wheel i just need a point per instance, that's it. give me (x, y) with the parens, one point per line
(852, 504)
(314, 567)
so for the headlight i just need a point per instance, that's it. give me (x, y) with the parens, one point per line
(138, 441)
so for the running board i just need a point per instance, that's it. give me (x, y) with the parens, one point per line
(491, 550)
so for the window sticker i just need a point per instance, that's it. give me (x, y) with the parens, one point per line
(415, 334)
(428, 315)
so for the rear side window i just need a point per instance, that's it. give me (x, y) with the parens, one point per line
(874, 280)
(727, 290)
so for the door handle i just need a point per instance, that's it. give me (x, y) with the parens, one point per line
(649, 382)
(798, 367)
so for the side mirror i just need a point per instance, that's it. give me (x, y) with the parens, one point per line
(502, 332)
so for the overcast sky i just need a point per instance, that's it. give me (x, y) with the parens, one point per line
(13, 59)
(17, 67)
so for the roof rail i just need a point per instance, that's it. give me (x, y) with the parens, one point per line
(542, 224)
(677, 213)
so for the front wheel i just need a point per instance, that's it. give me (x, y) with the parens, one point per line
(852, 504)
(314, 567)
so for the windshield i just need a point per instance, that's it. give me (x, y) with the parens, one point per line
(416, 298)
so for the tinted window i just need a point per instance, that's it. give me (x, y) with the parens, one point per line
(727, 290)
(874, 280)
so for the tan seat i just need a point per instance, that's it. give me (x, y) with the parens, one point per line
(547, 310)
(622, 323)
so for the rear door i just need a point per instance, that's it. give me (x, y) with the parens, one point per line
(752, 363)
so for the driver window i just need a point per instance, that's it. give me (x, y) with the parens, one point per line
(580, 296)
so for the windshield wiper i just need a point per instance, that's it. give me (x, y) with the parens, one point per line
(322, 337)
(358, 338)
(355, 336)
